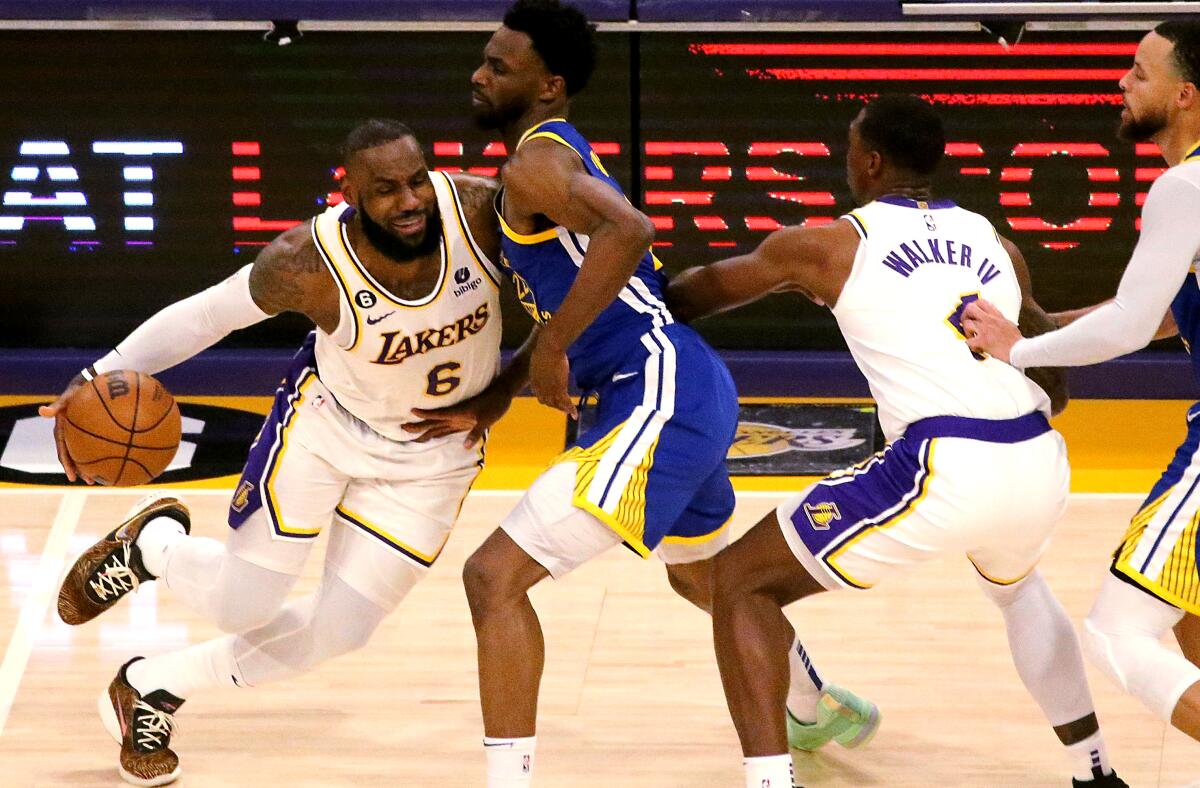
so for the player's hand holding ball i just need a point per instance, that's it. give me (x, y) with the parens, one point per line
(121, 428)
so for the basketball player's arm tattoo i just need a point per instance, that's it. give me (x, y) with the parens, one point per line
(289, 276)
(1033, 321)
(477, 196)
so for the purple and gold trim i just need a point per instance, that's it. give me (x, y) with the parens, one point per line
(411, 553)
(889, 516)
(255, 489)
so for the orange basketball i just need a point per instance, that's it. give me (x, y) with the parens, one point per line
(122, 428)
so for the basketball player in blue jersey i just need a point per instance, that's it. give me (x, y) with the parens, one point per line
(1154, 585)
(337, 452)
(651, 472)
(964, 433)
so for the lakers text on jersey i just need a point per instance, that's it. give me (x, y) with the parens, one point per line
(332, 449)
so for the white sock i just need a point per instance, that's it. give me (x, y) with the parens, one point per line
(206, 665)
(156, 541)
(806, 684)
(770, 771)
(509, 761)
(1087, 756)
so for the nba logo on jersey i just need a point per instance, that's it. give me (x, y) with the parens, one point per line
(820, 515)
(525, 764)
(242, 496)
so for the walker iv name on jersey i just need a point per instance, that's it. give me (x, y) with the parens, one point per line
(910, 256)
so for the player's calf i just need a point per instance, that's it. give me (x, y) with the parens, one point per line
(113, 566)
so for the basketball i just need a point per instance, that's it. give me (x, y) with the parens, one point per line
(122, 428)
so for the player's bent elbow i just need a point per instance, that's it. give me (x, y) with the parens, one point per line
(644, 229)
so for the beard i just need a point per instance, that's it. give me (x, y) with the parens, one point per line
(396, 248)
(490, 118)
(1141, 129)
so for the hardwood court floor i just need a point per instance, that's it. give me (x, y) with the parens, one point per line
(630, 697)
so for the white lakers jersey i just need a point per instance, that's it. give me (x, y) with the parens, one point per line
(918, 265)
(388, 355)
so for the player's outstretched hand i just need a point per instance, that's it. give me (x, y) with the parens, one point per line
(549, 372)
(55, 411)
(474, 416)
(989, 331)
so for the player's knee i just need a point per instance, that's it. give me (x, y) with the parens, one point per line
(1115, 650)
(244, 615)
(343, 635)
(693, 582)
(731, 583)
(483, 580)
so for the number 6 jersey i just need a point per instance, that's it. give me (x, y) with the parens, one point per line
(918, 265)
(388, 355)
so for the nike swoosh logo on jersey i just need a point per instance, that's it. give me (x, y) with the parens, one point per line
(623, 375)
(373, 320)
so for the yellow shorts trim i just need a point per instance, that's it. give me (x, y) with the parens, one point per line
(998, 581)
(612, 522)
(629, 518)
(708, 537)
(1178, 583)
(1156, 589)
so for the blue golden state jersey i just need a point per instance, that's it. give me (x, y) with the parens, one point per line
(1186, 311)
(543, 267)
(1186, 306)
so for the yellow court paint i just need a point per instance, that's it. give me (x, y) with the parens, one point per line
(1115, 445)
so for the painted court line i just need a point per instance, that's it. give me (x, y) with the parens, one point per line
(33, 612)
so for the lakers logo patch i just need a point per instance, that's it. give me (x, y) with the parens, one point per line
(241, 498)
(757, 439)
(821, 515)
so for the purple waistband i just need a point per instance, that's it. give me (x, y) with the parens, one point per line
(1015, 430)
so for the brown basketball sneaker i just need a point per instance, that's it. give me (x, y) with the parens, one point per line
(143, 726)
(113, 567)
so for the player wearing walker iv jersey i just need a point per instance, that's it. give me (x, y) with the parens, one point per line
(896, 273)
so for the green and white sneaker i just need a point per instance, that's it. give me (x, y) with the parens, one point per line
(842, 716)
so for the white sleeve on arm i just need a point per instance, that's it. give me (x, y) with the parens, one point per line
(1169, 241)
(186, 327)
